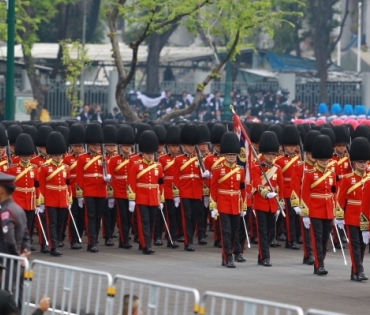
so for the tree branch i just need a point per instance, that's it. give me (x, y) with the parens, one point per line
(206, 81)
(341, 28)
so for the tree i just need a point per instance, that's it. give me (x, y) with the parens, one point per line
(235, 19)
(322, 26)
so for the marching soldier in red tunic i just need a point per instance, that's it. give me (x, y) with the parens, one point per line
(264, 201)
(76, 141)
(27, 192)
(350, 198)
(56, 189)
(91, 184)
(296, 185)
(228, 196)
(319, 200)
(118, 168)
(168, 164)
(188, 188)
(145, 190)
(342, 140)
(290, 140)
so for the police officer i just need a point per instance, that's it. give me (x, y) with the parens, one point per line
(3, 145)
(14, 238)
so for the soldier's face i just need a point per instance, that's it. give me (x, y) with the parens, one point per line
(203, 147)
(160, 148)
(309, 157)
(125, 149)
(230, 158)
(42, 150)
(340, 148)
(323, 163)
(148, 156)
(189, 148)
(110, 148)
(360, 165)
(269, 157)
(57, 157)
(291, 149)
(94, 148)
(25, 159)
(173, 149)
(77, 148)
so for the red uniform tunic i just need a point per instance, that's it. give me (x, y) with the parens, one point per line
(365, 205)
(119, 169)
(188, 182)
(350, 197)
(27, 192)
(168, 165)
(71, 161)
(55, 185)
(296, 182)
(343, 165)
(15, 159)
(286, 164)
(318, 193)
(90, 181)
(4, 164)
(39, 160)
(228, 189)
(261, 187)
(146, 183)
(210, 163)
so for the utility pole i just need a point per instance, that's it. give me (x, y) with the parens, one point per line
(9, 92)
(82, 80)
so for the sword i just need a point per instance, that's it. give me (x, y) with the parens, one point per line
(332, 243)
(341, 245)
(74, 223)
(246, 233)
(165, 223)
(42, 229)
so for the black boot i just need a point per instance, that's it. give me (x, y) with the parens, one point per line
(173, 245)
(158, 242)
(55, 252)
(294, 246)
(190, 248)
(239, 258)
(109, 242)
(274, 243)
(217, 244)
(61, 244)
(76, 245)
(264, 262)
(202, 241)
(362, 276)
(92, 248)
(148, 251)
(321, 271)
(44, 249)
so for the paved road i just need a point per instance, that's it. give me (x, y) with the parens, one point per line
(288, 281)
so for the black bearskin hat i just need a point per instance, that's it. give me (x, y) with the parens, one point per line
(77, 134)
(3, 137)
(160, 131)
(24, 145)
(110, 134)
(360, 149)
(330, 133)
(309, 139)
(278, 130)
(361, 131)
(173, 135)
(302, 132)
(256, 130)
(230, 143)
(42, 134)
(94, 134)
(140, 128)
(322, 148)
(13, 132)
(125, 135)
(65, 133)
(148, 142)
(217, 132)
(203, 133)
(55, 143)
(290, 135)
(268, 142)
(342, 135)
(189, 134)
(30, 130)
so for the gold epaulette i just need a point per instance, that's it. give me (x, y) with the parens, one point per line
(13, 165)
(300, 163)
(162, 198)
(218, 166)
(364, 222)
(348, 175)
(79, 192)
(130, 194)
(110, 191)
(294, 200)
(40, 201)
(263, 190)
(311, 170)
(70, 200)
(175, 191)
(339, 212)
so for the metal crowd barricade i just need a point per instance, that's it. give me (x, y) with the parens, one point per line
(219, 303)
(155, 297)
(71, 289)
(15, 276)
(313, 311)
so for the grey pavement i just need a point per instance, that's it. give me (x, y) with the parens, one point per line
(287, 281)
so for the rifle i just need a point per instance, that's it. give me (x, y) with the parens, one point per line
(104, 161)
(8, 152)
(236, 117)
(200, 159)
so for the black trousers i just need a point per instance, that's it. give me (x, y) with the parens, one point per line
(93, 213)
(158, 230)
(265, 222)
(192, 213)
(229, 225)
(290, 220)
(123, 219)
(30, 215)
(242, 236)
(107, 218)
(252, 225)
(320, 230)
(356, 248)
(78, 216)
(55, 218)
(146, 216)
(172, 217)
(306, 240)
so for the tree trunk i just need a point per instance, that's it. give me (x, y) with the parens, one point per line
(92, 20)
(152, 63)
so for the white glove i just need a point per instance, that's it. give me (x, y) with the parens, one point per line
(108, 178)
(206, 174)
(277, 213)
(340, 223)
(365, 237)
(297, 210)
(176, 200)
(306, 222)
(40, 209)
(161, 206)
(271, 195)
(131, 205)
(110, 203)
(243, 213)
(206, 201)
(80, 202)
(214, 214)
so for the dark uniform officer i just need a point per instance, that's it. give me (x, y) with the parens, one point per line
(14, 238)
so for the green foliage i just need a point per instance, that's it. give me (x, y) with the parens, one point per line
(75, 59)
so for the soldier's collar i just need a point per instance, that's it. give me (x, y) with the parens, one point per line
(267, 165)
(340, 155)
(361, 174)
(56, 164)
(147, 162)
(188, 155)
(321, 169)
(309, 162)
(44, 156)
(125, 156)
(93, 154)
(24, 164)
(171, 155)
(230, 165)
(289, 155)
